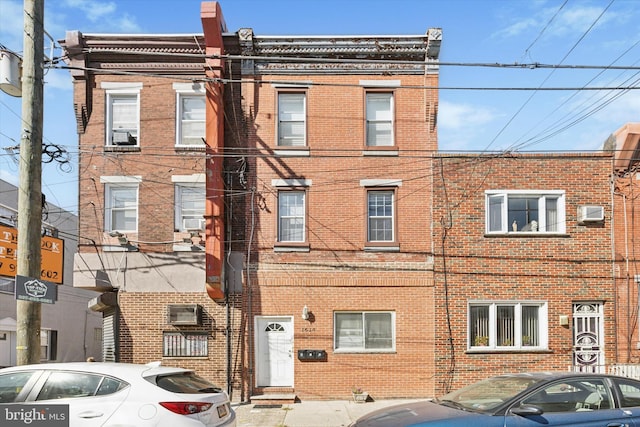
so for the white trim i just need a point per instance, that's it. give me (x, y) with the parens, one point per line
(380, 83)
(388, 153)
(116, 179)
(124, 87)
(301, 85)
(291, 182)
(189, 88)
(380, 183)
(292, 153)
(193, 178)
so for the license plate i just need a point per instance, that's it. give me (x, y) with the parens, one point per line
(222, 411)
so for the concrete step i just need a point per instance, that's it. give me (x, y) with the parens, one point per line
(274, 398)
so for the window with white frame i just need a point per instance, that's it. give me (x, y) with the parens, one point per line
(121, 208)
(292, 119)
(122, 113)
(291, 216)
(190, 114)
(190, 207)
(507, 325)
(379, 118)
(359, 331)
(513, 211)
(185, 344)
(380, 215)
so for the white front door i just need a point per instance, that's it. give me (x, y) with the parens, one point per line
(274, 351)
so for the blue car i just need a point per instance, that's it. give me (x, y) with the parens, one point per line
(542, 399)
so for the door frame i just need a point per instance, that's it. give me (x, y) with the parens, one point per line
(260, 339)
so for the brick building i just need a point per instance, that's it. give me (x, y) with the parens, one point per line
(140, 105)
(523, 264)
(309, 183)
(307, 238)
(625, 143)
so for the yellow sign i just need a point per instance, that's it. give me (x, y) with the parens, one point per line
(52, 253)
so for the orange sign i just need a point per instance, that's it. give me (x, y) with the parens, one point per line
(52, 253)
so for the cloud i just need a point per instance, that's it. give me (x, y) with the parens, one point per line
(11, 24)
(104, 15)
(462, 116)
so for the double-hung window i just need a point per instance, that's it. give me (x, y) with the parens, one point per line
(190, 207)
(380, 216)
(513, 211)
(190, 114)
(292, 111)
(291, 216)
(507, 325)
(379, 119)
(372, 331)
(121, 203)
(122, 113)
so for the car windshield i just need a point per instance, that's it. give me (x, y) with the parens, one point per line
(186, 382)
(487, 394)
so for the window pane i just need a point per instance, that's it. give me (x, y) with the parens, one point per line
(291, 119)
(380, 212)
(123, 208)
(123, 197)
(495, 213)
(522, 210)
(124, 113)
(378, 330)
(61, 385)
(505, 327)
(530, 329)
(291, 212)
(349, 331)
(552, 214)
(11, 385)
(479, 325)
(192, 115)
(379, 119)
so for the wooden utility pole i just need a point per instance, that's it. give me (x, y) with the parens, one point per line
(30, 186)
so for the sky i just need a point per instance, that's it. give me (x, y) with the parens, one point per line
(589, 43)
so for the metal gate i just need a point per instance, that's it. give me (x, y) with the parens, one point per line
(588, 331)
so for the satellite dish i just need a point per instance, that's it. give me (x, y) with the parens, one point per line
(10, 70)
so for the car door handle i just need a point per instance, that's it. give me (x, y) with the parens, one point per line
(90, 414)
(617, 425)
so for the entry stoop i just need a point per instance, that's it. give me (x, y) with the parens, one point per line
(274, 396)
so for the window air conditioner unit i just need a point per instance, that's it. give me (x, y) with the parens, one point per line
(193, 223)
(184, 314)
(590, 213)
(122, 137)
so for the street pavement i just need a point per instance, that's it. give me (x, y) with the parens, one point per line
(314, 413)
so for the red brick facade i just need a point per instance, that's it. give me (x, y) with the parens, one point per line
(558, 269)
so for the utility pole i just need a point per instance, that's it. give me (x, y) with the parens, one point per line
(30, 186)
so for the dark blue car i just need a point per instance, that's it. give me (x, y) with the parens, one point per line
(523, 400)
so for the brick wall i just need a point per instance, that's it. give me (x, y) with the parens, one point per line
(560, 270)
(143, 319)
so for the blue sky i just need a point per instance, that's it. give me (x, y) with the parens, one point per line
(553, 32)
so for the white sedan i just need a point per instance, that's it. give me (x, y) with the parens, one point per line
(116, 394)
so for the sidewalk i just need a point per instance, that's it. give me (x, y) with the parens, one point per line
(315, 413)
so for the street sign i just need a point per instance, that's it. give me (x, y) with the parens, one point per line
(30, 289)
(51, 251)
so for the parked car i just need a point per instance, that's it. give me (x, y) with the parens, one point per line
(120, 394)
(525, 399)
